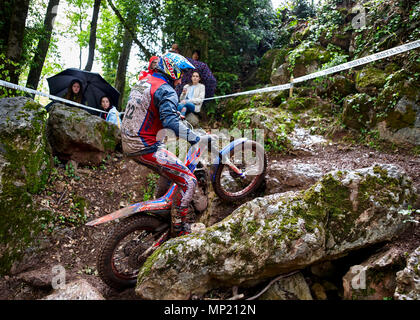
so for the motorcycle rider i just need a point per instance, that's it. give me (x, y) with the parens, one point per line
(152, 106)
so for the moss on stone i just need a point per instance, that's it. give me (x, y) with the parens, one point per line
(370, 77)
(271, 60)
(397, 120)
(26, 166)
(358, 111)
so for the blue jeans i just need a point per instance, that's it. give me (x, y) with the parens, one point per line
(187, 107)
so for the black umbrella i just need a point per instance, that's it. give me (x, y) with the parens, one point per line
(93, 85)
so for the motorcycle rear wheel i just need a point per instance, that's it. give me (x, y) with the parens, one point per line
(231, 187)
(127, 240)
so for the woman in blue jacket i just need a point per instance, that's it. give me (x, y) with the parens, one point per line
(113, 115)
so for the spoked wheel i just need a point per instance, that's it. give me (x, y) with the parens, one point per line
(231, 184)
(121, 254)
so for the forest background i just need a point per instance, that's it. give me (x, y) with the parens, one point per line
(40, 38)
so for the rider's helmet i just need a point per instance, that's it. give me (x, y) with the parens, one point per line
(171, 65)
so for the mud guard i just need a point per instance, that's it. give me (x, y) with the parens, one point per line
(159, 206)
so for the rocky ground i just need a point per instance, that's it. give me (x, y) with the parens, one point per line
(77, 195)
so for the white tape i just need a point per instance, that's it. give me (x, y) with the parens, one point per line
(341, 67)
(28, 90)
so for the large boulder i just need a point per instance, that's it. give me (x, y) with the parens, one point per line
(408, 279)
(280, 75)
(77, 135)
(344, 211)
(25, 164)
(305, 60)
(340, 86)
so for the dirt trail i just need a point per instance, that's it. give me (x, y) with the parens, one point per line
(120, 181)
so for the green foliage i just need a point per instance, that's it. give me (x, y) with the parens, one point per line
(109, 41)
(77, 13)
(229, 34)
(78, 214)
(225, 82)
(337, 57)
(70, 171)
(5, 76)
(149, 190)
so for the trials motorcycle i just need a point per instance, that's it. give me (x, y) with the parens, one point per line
(236, 172)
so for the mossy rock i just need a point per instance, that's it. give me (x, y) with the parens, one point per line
(358, 111)
(398, 102)
(280, 74)
(271, 60)
(404, 115)
(299, 104)
(276, 123)
(75, 134)
(370, 80)
(300, 35)
(260, 100)
(340, 86)
(307, 60)
(25, 164)
(344, 211)
(234, 104)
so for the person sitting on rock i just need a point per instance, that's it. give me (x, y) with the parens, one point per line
(192, 95)
(207, 77)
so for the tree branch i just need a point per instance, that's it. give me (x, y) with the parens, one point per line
(128, 28)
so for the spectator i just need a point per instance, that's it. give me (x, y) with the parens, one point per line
(195, 55)
(113, 115)
(151, 68)
(75, 92)
(174, 48)
(207, 77)
(192, 95)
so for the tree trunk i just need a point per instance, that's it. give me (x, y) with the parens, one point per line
(16, 31)
(92, 39)
(129, 29)
(43, 45)
(6, 9)
(122, 65)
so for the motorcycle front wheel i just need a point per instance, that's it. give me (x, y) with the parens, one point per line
(250, 158)
(120, 255)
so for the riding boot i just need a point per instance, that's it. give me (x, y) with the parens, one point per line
(180, 225)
